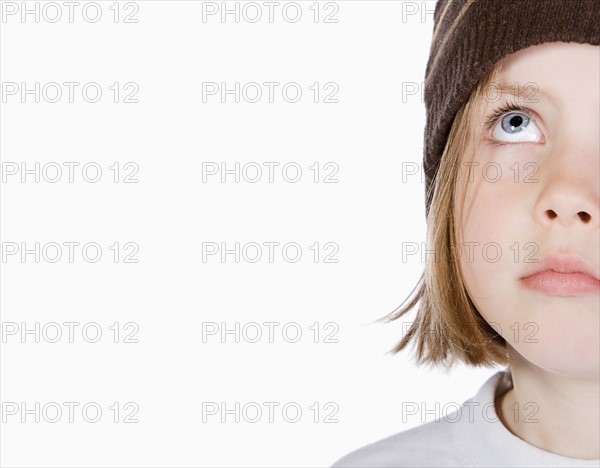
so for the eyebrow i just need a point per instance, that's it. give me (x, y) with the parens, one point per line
(530, 92)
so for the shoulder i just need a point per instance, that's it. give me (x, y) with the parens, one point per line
(430, 444)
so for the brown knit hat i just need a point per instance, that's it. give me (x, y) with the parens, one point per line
(470, 36)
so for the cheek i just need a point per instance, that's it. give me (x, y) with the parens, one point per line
(492, 241)
(488, 245)
(494, 245)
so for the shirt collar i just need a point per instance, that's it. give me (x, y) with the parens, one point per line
(487, 442)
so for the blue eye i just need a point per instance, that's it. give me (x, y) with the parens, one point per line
(516, 126)
(514, 123)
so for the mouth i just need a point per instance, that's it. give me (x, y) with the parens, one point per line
(555, 283)
(562, 275)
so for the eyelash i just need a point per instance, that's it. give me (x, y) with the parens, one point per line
(506, 108)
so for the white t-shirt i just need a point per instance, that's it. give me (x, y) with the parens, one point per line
(471, 436)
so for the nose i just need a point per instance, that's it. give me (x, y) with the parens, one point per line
(571, 197)
(570, 171)
(584, 216)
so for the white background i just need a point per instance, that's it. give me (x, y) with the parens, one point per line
(372, 53)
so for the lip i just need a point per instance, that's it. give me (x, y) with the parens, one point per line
(562, 275)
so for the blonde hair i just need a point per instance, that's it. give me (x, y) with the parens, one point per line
(448, 326)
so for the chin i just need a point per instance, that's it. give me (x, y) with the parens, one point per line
(563, 355)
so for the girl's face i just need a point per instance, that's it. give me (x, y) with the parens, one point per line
(534, 192)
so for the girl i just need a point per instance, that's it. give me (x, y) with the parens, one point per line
(512, 146)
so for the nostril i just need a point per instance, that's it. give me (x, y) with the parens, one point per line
(585, 217)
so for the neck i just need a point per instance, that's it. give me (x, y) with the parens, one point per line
(553, 412)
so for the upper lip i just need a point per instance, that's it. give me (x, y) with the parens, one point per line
(563, 264)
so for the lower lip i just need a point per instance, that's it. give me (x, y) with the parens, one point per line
(554, 283)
